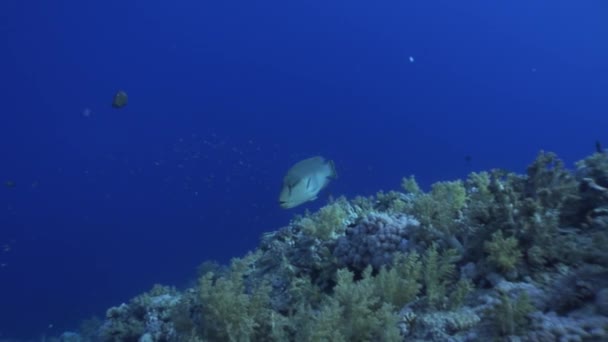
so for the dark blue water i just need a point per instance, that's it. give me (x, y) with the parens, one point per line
(225, 96)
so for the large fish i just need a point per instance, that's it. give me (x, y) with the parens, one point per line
(305, 180)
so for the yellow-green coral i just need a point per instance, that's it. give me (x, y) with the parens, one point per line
(400, 284)
(438, 272)
(479, 182)
(410, 185)
(231, 313)
(452, 194)
(441, 206)
(458, 295)
(480, 196)
(328, 222)
(354, 312)
(392, 201)
(324, 326)
(503, 253)
(359, 302)
(511, 316)
(364, 316)
(549, 180)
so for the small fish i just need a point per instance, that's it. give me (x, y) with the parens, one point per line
(10, 184)
(120, 99)
(468, 160)
(305, 180)
(598, 147)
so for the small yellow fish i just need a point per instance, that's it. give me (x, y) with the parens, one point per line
(120, 99)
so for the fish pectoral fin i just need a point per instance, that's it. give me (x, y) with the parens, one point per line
(312, 198)
(308, 181)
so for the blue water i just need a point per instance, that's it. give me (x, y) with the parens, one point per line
(224, 96)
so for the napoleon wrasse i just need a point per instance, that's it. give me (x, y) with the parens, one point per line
(305, 180)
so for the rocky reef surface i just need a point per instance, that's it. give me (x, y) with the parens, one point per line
(498, 256)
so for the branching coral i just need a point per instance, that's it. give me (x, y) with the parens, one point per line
(549, 182)
(511, 316)
(353, 312)
(503, 253)
(438, 272)
(342, 273)
(329, 222)
(410, 185)
(441, 206)
(231, 312)
(148, 313)
(529, 209)
(400, 284)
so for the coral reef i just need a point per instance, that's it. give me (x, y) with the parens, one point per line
(146, 316)
(374, 240)
(504, 253)
(498, 256)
